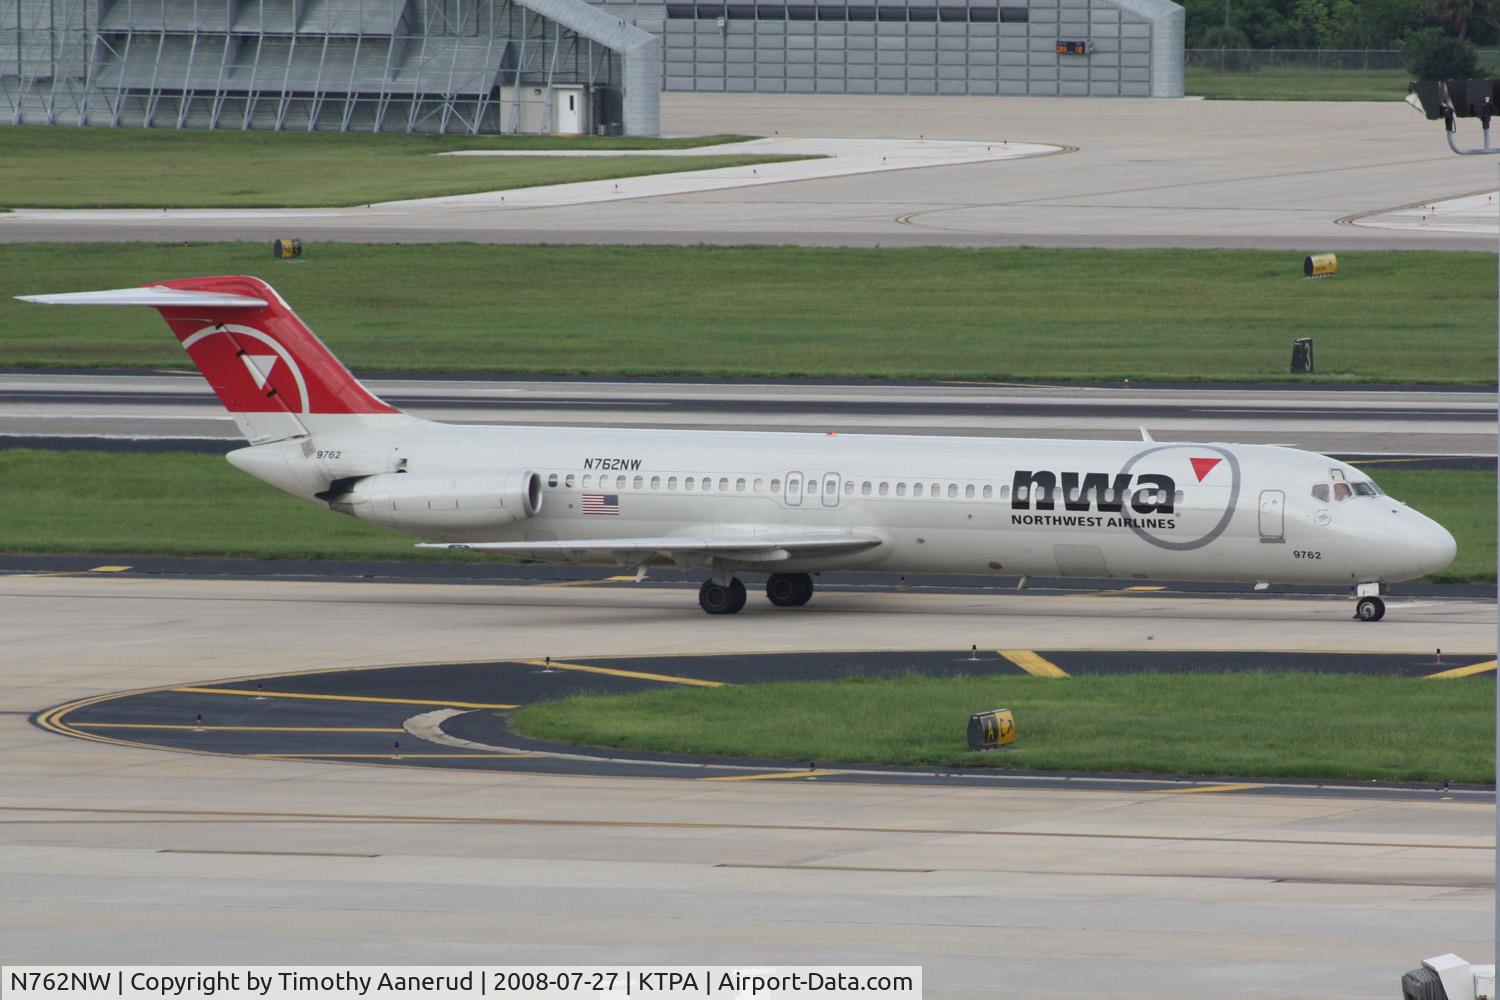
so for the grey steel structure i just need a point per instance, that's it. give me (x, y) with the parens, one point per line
(1131, 48)
(496, 65)
(338, 65)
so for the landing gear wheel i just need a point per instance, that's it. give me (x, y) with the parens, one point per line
(1369, 609)
(789, 590)
(717, 600)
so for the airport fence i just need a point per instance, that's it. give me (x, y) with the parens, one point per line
(1254, 60)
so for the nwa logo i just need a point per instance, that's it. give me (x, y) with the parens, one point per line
(1150, 493)
(1146, 504)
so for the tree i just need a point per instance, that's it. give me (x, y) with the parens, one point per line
(1464, 15)
(1432, 55)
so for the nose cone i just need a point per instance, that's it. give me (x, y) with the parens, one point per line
(1437, 546)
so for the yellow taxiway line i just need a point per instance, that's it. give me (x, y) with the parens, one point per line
(389, 756)
(234, 729)
(1487, 666)
(1036, 666)
(616, 672)
(337, 697)
(1196, 789)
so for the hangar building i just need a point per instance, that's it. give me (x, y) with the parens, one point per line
(485, 66)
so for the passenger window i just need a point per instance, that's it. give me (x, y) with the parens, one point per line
(989, 491)
(724, 485)
(739, 485)
(671, 482)
(953, 490)
(1177, 498)
(884, 488)
(865, 488)
(1022, 492)
(588, 481)
(935, 490)
(619, 482)
(1320, 492)
(689, 482)
(775, 486)
(916, 489)
(1005, 493)
(793, 486)
(639, 482)
(552, 481)
(759, 485)
(900, 489)
(848, 487)
(830, 487)
(569, 481)
(1341, 492)
(969, 492)
(656, 482)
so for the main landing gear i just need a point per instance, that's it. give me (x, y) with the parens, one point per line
(785, 590)
(789, 590)
(719, 599)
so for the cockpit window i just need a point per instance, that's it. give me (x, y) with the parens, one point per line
(1366, 490)
(1341, 492)
(1320, 492)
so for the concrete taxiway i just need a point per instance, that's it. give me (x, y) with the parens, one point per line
(114, 853)
(1366, 421)
(1144, 173)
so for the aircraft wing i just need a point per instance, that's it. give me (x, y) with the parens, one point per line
(757, 548)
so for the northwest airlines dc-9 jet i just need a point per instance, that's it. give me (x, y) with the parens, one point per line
(785, 504)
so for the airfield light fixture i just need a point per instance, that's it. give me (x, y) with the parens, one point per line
(1450, 100)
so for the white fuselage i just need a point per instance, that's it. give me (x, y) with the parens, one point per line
(936, 504)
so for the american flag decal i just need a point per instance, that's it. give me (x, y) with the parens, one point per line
(601, 503)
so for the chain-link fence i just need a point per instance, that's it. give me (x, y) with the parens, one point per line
(1252, 60)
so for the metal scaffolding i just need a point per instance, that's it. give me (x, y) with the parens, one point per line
(466, 66)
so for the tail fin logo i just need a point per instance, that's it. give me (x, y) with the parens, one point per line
(274, 372)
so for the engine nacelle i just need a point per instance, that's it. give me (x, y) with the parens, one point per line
(435, 505)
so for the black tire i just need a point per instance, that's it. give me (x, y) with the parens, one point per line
(717, 600)
(789, 590)
(1369, 609)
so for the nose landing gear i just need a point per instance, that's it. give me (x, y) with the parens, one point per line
(1369, 609)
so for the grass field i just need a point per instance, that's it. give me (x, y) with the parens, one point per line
(107, 503)
(1258, 725)
(60, 168)
(793, 311)
(1298, 85)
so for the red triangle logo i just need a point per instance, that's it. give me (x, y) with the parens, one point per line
(1203, 466)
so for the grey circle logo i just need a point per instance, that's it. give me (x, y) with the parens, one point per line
(1187, 545)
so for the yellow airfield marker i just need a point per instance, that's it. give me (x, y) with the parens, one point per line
(1036, 666)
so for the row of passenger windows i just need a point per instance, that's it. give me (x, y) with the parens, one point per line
(813, 486)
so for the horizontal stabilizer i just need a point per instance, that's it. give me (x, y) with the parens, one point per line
(150, 296)
(769, 548)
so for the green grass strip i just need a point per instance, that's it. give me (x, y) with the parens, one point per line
(154, 504)
(1255, 725)
(164, 504)
(993, 314)
(60, 168)
(1289, 84)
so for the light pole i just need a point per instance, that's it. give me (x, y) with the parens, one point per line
(1449, 100)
